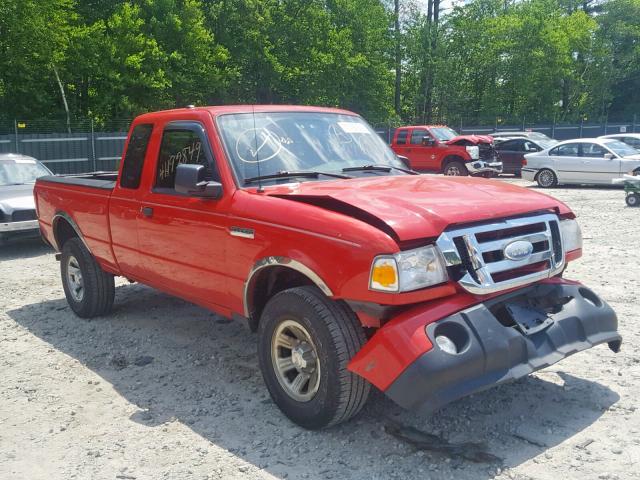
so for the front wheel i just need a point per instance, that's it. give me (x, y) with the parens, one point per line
(89, 289)
(633, 200)
(305, 343)
(456, 168)
(546, 178)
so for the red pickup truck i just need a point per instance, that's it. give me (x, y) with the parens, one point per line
(354, 271)
(438, 148)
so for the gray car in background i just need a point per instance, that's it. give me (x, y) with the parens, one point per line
(18, 174)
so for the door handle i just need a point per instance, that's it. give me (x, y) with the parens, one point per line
(147, 211)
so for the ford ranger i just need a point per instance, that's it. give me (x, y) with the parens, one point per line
(302, 223)
(438, 148)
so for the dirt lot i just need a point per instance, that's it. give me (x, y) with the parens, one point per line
(163, 389)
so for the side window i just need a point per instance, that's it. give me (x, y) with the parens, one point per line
(516, 145)
(593, 150)
(181, 145)
(402, 136)
(568, 150)
(134, 158)
(417, 135)
(530, 146)
(634, 142)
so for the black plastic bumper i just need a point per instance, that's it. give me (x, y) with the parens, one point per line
(493, 348)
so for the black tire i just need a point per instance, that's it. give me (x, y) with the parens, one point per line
(455, 168)
(336, 336)
(98, 288)
(633, 200)
(547, 178)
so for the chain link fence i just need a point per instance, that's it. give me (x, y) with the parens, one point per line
(84, 145)
(78, 147)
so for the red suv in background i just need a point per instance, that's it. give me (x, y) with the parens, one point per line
(438, 148)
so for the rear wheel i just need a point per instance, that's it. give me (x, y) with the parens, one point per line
(455, 168)
(305, 343)
(89, 289)
(633, 200)
(547, 178)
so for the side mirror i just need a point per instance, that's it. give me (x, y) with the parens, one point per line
(428, 141)
(608, 156)
(190, 180)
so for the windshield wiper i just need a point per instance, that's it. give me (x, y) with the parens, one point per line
(378, 168)
(292, 174)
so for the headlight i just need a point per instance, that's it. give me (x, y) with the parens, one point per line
(474, 152)
(408, 270)
(571, 235)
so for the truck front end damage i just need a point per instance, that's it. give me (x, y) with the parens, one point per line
(513, 315)
(483, 344)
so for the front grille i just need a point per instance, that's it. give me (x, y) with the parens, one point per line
(23, 215)
(477, 255)
(487, 152)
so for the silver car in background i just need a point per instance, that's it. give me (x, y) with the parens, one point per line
(18, 174)
(631, 139)
(587, 161)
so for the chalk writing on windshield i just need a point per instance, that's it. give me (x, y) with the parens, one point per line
(260, 144)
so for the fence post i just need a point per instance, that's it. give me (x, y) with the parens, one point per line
(524, 122)
(581, 125)
(553, 128)
(15, 131)
(94, 161)
(633, 127)
(606, 124)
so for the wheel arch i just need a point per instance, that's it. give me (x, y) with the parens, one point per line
(452, 158)
(546, 167)
(271, 275)
(64, 228)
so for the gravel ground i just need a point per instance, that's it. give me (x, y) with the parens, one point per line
(164, 389)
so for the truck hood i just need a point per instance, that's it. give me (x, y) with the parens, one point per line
(475, 139)
(415, 207)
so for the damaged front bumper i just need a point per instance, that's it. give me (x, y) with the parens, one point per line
(489, 343)
(481, 166)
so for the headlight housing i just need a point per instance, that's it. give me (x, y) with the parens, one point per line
(408, 270)
(571, 235)
(474, 152)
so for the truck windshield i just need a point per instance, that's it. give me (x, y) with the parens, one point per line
(266, 144)
(18, 172)
(443, 133)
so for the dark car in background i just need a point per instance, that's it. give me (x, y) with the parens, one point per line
(18, 174)
(511, 151)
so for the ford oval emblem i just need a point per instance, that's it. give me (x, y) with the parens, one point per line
(518, 250)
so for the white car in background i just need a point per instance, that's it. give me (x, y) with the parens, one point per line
(631, 139)
(587, 161)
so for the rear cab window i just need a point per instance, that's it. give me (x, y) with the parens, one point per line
(134, 157)
(401, 138)
(182, 142)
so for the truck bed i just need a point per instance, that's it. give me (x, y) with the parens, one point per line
(101, 180)
(83, 200)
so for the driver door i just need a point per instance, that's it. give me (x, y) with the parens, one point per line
(182, 238)
(424, 153)
(596, 168)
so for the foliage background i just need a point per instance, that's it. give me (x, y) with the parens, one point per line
(479, 60)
